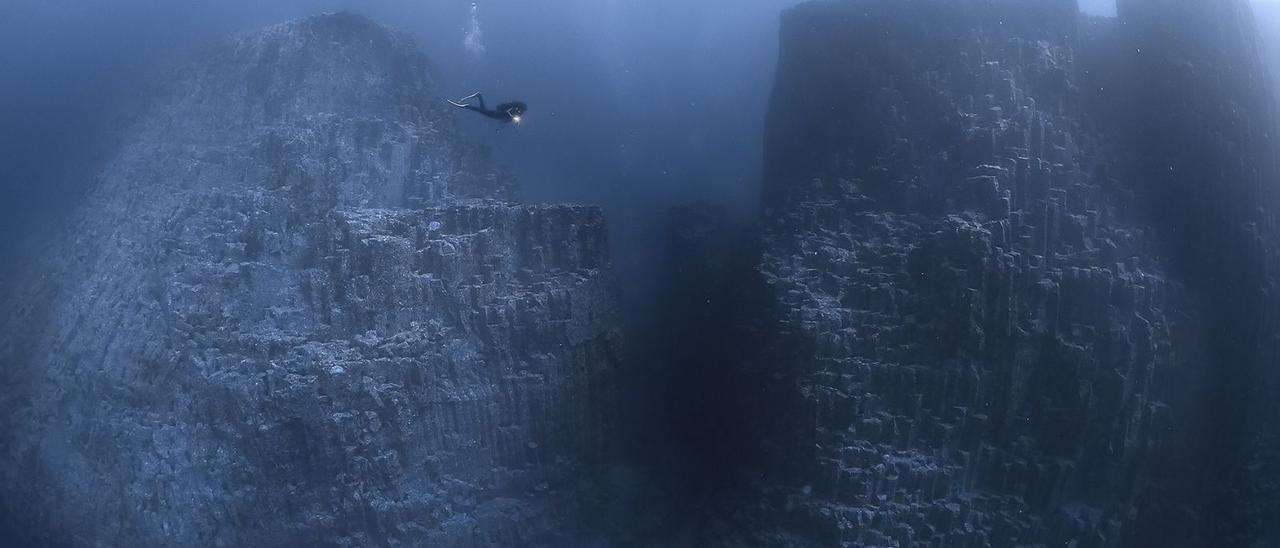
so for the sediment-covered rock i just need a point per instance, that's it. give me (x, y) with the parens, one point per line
(296, 309)
(986, 338)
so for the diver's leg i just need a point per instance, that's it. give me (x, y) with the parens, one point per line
(462, 103)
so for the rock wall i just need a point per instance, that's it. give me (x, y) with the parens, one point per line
(1269, 28)
(1198, 136)
(296, 309)
(986, 334)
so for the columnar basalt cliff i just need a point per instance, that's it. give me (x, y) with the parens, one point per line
(986, 334)
(1014, 282)
(1199, 133)
(297, 310)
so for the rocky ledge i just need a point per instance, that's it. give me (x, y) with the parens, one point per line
(297, 309)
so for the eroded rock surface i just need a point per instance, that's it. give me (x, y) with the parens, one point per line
(296, 309)
(983, 337)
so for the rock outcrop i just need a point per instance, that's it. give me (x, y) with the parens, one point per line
(985, 336)
(1016, 282)
(296, 309)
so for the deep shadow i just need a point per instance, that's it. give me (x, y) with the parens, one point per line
(703, 406)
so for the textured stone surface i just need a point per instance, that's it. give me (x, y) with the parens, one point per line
(294, 311)
(1015, 284)
(981, 335)
(1198, 130)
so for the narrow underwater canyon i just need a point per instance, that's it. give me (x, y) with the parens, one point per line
(1011, 281)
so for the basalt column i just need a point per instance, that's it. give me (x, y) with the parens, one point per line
(983, 327)
(297, 309)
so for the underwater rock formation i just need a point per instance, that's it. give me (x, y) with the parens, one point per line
(1014, 282)
(985, 337)
(1197, 130)
(296, 309)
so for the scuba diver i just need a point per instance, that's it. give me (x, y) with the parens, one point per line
(506, 112)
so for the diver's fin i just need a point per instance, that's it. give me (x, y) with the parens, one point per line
(462, 103)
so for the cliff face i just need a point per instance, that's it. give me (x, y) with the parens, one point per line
(1198, 139)
(986, 336)
(295, 310)
(1269, 28)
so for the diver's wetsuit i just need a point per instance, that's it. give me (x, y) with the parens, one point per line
(505, 113)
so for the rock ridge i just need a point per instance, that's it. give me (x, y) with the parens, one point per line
(298, 309)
